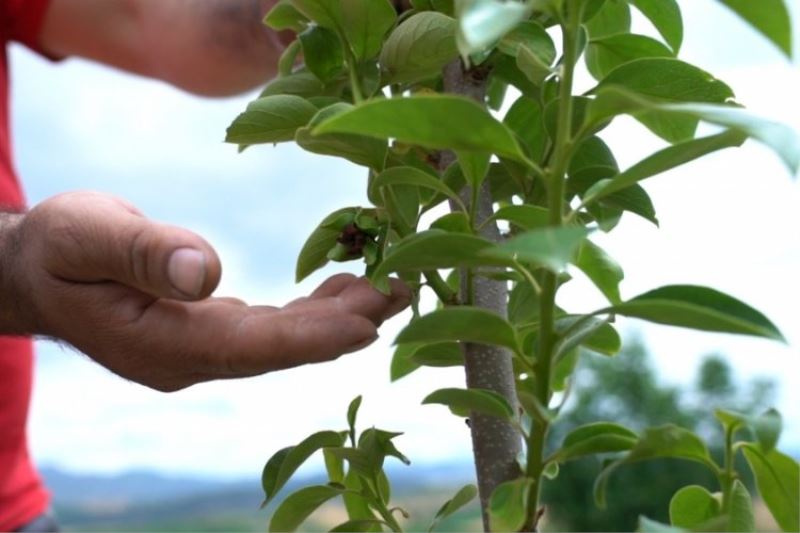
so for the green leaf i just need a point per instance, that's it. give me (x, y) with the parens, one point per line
(563, 370)
(605, 54)
(508, 506)
(271, 119)
(465, 495)
(770, 17)
(550, 247)
(402, 203)
(523, 304)
(296, 456)
(359, 149)
(462, 402)
(666, 17)
(364, 151)
(668, 80)
(284, 16)
(334, 466)
(730, 420)
(767, 427)
(302, 83)
(289, 58)
(633, 199)
(599, 267)
(593, 333)
(784, 140)
(433, 249)
(360, 461)
(526, 119)
(298, 506)
(434, 121)
(481, 23)
(402, 364)
(663, 441)
(599, 437)
(415, 177)
(664, 160)
(326, 13)
(692, 506)
(778, 483)
(593, 160)
(439, 354)
(612, 18)
(419, 48)
(365, 24)
(526, 216)
(314, 254)
(467, 324)
(474, 166)
(740, 512)
(506, 69)
(457, 222)
(551, 471)
(531, 35)
(269, 476)
(356, 504)
(377, 444)
(534, 68)
(699, 308)
(322, 52)
(352, 413)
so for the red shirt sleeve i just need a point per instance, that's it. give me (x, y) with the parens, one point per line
(21, 20)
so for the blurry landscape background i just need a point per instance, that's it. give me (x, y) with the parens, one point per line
(729, 221)
(625, 389)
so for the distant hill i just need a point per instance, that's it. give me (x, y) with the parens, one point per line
(150, 501)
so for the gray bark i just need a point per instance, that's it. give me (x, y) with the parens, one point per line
(496, 444)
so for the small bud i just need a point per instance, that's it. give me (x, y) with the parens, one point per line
(339, 253)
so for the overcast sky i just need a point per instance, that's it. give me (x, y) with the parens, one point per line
(730, 221)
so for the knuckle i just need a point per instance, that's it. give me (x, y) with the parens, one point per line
(140, 256)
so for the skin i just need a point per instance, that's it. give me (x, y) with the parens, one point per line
(133, 294)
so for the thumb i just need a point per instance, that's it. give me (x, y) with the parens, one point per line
(100, 238)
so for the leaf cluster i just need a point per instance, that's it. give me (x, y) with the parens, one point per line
(373, 86)
(356, 474)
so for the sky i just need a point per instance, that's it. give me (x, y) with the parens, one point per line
(729, 221)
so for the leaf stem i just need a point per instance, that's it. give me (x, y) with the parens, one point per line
(727, 475)
(355, 82)
(555, 203)
(435, 281)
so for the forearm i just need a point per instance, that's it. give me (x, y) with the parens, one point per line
(211, 47)
(208, 47)
(14, 318)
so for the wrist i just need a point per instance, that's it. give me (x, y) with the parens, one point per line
(15, 314)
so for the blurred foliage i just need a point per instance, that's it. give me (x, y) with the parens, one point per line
(626, 389)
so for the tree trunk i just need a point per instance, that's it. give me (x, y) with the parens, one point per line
(496, 444)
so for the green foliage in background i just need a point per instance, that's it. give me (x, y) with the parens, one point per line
(627, 389)
(407, 94)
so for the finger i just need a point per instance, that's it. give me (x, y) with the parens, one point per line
(330, 287)
(360, 298)
(95, 238)
(230, 340)
(334, 285)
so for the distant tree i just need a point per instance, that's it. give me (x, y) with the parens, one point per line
(627, 389)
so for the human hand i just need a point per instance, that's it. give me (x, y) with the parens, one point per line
(133, 295)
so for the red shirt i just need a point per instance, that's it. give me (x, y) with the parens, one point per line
(22, 495)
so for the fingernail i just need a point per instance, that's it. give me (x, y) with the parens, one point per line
(187, 271)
